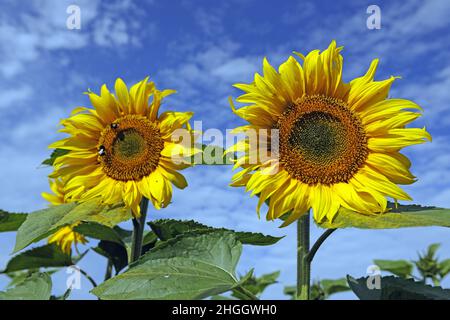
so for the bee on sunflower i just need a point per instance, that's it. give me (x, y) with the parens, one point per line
(122, 150)
(339, 143)
(65, 236)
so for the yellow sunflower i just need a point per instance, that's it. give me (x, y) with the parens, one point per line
(122, 150)
(338, 143)
(65, 236)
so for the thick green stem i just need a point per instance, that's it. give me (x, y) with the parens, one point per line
(303, 264)
(138, 231)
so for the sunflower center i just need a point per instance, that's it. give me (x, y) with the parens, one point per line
(129, 144)
(130, 148)
(321, 141)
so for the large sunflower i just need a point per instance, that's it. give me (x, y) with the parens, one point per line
(338, 142)
(65, 236)
(122, 150)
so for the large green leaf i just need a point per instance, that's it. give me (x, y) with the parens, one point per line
(393, 288)
(46, 256)
(11, 221)
(167, 229)
(402, 217)
(36, 287)
(42, 223)
(401, 268)
(190, 266)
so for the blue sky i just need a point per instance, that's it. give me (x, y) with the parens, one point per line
(200, 48)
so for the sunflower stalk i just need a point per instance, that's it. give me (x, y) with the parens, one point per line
(138, 231)
(109, 267)
(303, 263)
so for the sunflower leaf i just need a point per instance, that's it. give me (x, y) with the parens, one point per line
(46, 256)
(255, 285)
(11, 221)
(393, 288)
(55, 154)
(115, 252)
(98, 231)
(167, 229)
(38, 286)
(42, 223)
(403, 217)
(401, 268)
(190, 266)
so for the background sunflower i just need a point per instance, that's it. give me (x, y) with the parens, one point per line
(65, 236)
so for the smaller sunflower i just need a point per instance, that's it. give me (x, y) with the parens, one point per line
(65, 236)
(122, 150)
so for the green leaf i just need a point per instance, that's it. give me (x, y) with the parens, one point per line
(444, 267)
(321, 290)
(36, 287)
(11, 221)
(393, 288)
(115, 252)
(55, 154)
(290, 291)
(256, 239)
(256, 285)
(403, 217)
(332, 286)
(40, 224)
(401, 268)
(46, 256)
(190, 266)
(432, 249)
(167, 229)
(212, 155)
(98, 231)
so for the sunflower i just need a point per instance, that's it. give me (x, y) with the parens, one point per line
(65, 236)
(121, 150)
(338, 143)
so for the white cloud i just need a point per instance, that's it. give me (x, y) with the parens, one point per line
(41, 27)
(12, 96)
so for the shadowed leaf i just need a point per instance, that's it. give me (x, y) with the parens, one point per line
(167, 229)
(393, 288)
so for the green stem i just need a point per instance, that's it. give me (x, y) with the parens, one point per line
(318, 243)
(138, 231)
(91, 280)
(109, 267)
(303, 264)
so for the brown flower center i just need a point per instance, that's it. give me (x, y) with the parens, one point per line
(321, 141)
(129, 148)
